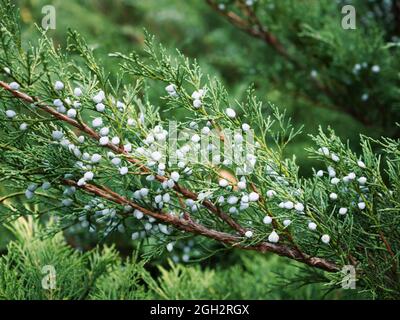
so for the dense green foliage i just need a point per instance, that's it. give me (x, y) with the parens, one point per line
(322, 74)
(101, 274)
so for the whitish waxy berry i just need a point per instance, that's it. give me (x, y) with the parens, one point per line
(232, 200)
(23, 126)
(104, 140)
(267, 220)
(223, 183)
(376, 69)
(230, 113)
(320, 173)
(325, 238)
(138, 214)
(57, 135)
(130, 122)
(123, 170)
(58, 103)
(77, 92)
(273, 237)
(241, 185)
(324, 151)
(364, 96)
(299, 207)
(71, 113)
(361, 164)
(245, 127)
(156, 156)
(232, 210)
(170, 88)
(99, 97)
(100, 107)
(170, 246)
(97, 122)
(77, 105)
(128, 147)
(158, 198)
(287, 222)
(32, 187)
(144, 192)
(197, 94)
(361, 205)
(312, 226)
(62, 109)
(104, 131)
(335, 180)
(86, 156)
(29, 194)
(351, 175)
(166, 198)
(121, 106)
(135, 235)
(14, 86)
(335, 158)
(342, 211)
(175, 176)
(197, 103)
(253, 196)
(115, 141)
(10, 114)
(81, 182)
(313, 73)
(205, 130)
(195, 138)
(95, 158)
(88, 175)
(46, 185)
(271, 193)
(288, 205)
(248, 234)
(362, 180)
(66, 202)
(58, 85)
(116, 161)
(333, 196)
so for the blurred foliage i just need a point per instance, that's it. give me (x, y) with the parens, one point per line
(102, 274)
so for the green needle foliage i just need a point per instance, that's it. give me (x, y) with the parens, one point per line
(102, 274)
(93, 152)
